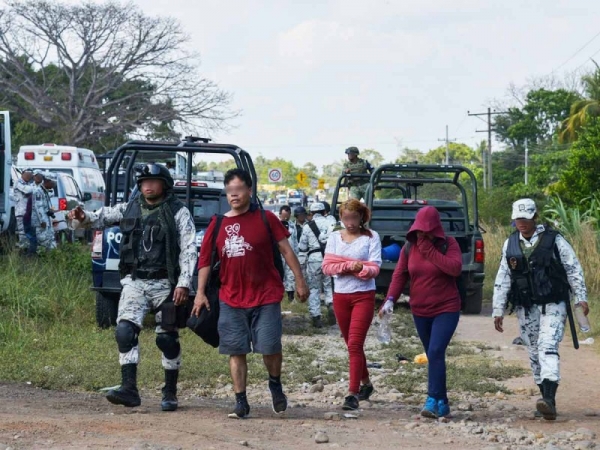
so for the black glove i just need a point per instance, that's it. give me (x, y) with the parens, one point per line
(50, 213)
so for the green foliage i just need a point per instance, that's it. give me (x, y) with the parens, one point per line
(537, 120)
(458, 154)
(583, 110)
(580, 180)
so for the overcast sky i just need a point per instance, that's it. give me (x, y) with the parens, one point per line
(314, 77)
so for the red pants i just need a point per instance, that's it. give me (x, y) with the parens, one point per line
(354, 313)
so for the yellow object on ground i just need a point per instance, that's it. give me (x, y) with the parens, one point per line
(421, 359)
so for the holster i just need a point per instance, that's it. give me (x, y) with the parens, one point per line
(173, 316)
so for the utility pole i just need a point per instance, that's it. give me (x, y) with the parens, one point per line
(526, 160)
(447, 146)
(489, 130)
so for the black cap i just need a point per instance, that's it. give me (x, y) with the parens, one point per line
(299, 210)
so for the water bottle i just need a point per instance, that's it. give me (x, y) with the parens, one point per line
(582, 320)
(384, 332)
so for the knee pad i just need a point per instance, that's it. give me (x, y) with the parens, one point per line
(126, 335)
(168, 343)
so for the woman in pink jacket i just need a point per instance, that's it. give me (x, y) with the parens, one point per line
(353, 258)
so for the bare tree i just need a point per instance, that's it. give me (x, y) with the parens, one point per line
(98, 70)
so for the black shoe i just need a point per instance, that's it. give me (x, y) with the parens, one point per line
(331, 315)
(316, 322)
(547, 405)
(127, 394)
(365, 391)
(290, 295)
(169, 399)
(350, 403)
(241, 410)
(536, 413)
(280, 403)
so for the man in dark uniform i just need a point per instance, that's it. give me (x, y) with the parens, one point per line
(358, 166)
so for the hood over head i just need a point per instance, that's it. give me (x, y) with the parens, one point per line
(428, 221)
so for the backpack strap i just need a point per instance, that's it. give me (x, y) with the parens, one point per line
(277, 257)
(315, 229)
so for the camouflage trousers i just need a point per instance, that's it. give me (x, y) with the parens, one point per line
(45, 237)
(542, 334)
(358, 192)
(289, 281)
(139, 297)
(23, 242)
(317, 280)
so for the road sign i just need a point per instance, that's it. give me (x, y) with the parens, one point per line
(302, 178)
(321, 183)
(275, 175)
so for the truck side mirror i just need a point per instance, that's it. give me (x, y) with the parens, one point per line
(87, 197)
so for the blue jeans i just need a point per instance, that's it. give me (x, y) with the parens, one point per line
(31, 236)
(435, 333)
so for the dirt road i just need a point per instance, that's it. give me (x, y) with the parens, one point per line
(35, 418)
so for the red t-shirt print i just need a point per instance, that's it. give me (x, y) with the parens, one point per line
(248, 274)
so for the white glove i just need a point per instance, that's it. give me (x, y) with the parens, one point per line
(388, 307)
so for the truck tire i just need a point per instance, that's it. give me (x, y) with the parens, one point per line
(474, 301)
(106, 310)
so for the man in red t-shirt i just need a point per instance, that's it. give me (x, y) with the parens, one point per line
(251, 288)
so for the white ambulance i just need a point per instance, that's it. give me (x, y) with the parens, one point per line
(80, 163)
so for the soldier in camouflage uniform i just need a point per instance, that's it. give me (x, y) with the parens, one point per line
(314, 246)
(538, 272)
(356, 165)
(22, 192)
(157, 261)
(289, 280)
(42, 210)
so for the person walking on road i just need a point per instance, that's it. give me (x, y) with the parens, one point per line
(157, 261)
(251, 288)
(313, 242)
(353, 258)
(289, 281)
(431, 261)
(538, 273)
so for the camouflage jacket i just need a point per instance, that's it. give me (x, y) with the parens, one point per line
(360, 166)
(186, 230)
(569, 260)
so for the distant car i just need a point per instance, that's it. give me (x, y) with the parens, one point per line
(282, 199)
(310, 200)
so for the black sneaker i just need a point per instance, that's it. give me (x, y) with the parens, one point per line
(365, 391)
(350, 403)
(241, 410)
(316, 322)
(331, 315)
(280, 403)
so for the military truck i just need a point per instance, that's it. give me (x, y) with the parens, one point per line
(202, 199)
(397, 191)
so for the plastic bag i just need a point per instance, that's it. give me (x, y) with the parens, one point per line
(384, 331)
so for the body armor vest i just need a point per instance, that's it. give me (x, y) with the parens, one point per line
(143, 250)
(537, 279)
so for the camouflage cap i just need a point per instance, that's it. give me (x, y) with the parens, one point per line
(352, 150)
(523, 209)
(38, 172)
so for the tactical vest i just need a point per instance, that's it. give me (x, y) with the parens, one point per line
(143, 251)
(540, 278)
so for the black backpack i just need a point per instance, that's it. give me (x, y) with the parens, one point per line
(460, 282)
(277, 258)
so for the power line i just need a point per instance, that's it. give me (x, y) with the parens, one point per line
(577, 52)
(447, 145)
(489, 114)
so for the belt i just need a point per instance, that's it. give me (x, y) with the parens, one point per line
(314, 251)
(152, 274)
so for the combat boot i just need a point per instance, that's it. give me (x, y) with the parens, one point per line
(537, 414)
(316, 322)
(547, 404)
(290, 296)
(330, 315)
(127, 394)
(169, 399)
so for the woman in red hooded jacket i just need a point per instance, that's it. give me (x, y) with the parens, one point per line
(432, 264)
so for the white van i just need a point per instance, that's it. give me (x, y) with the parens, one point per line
(80, 163)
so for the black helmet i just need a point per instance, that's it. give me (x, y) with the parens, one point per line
(352, 150)
(155, 172)
(299, 210)
(327, 206)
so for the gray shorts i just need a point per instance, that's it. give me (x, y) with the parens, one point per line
(246, 330)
